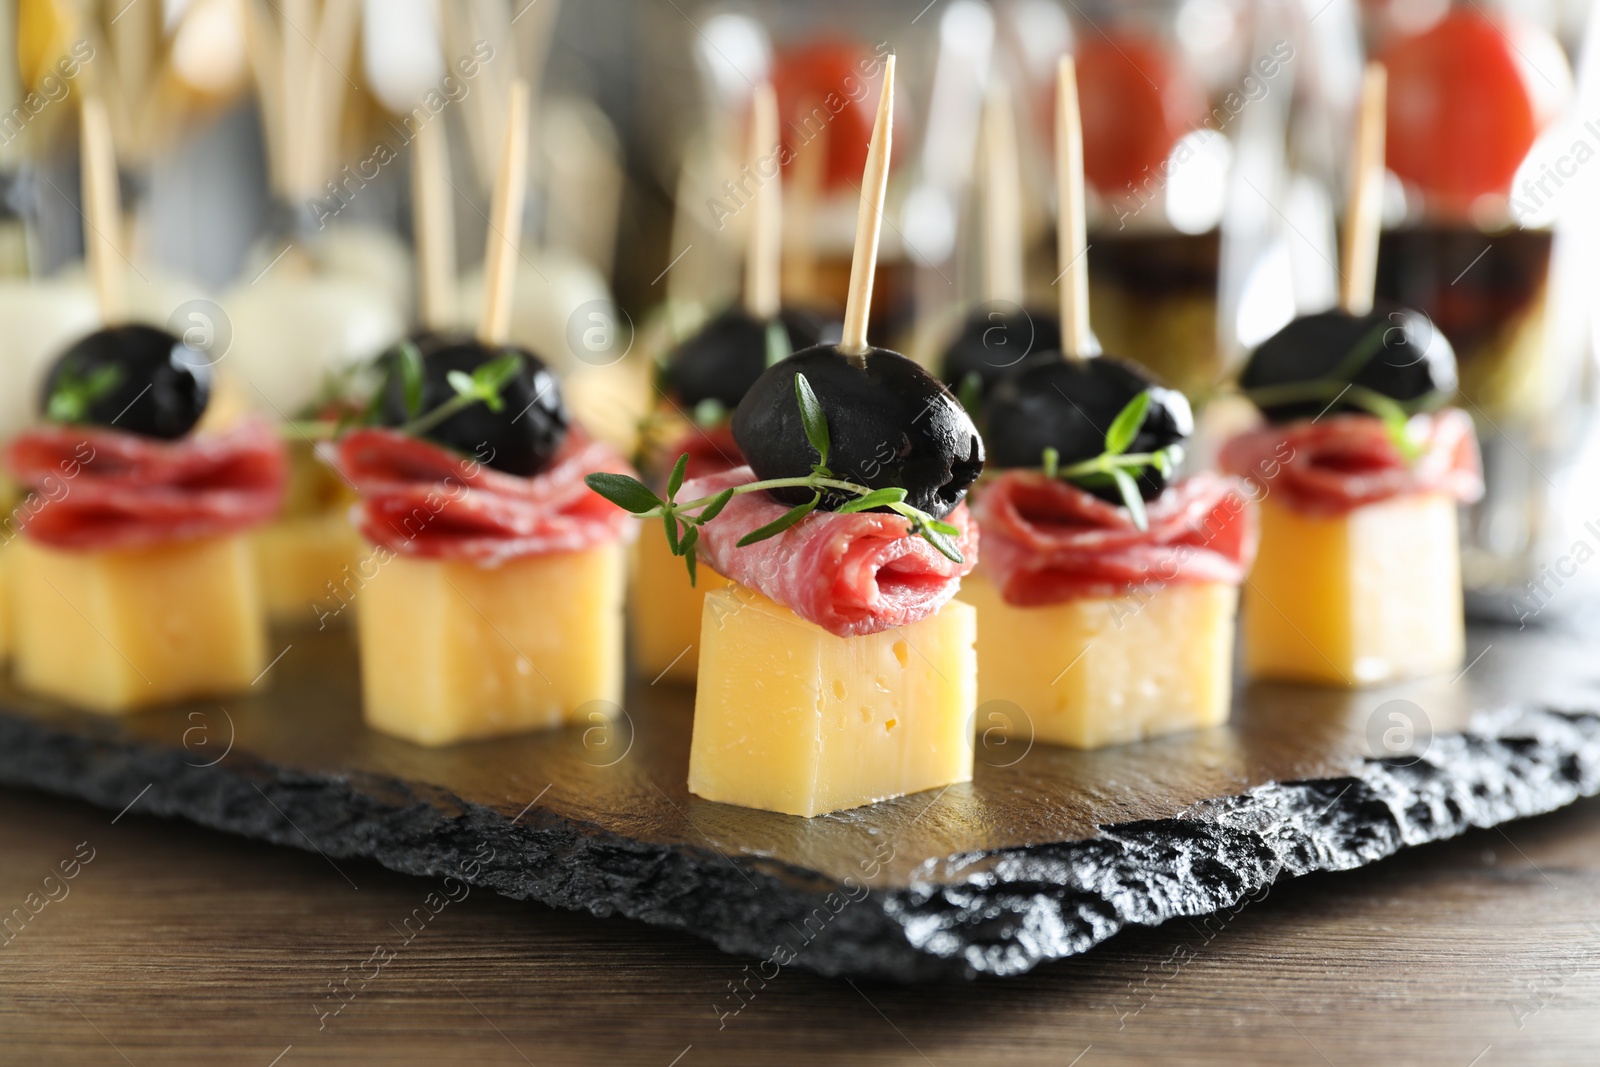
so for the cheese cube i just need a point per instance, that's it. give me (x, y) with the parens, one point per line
(120, 630)
(665, 622)
(790, 718)
(1100, 671)
(1357, 599)
(298, 557)
(452, 651)
(310, 544)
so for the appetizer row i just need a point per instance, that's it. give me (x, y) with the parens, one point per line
(811, 554)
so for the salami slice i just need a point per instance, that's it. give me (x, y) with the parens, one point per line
(850, 574)
(419, 499)
(1332, 466)
(1046, 541)
(97, 489)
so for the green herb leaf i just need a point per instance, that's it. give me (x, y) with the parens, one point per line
(945, 545)
(629, 494)
(670, 522)
(1125, 427)
(1130, 497)
(412, 374)
(782, 522)
(969, 393)
(689, 559)
(878, 498)
(675, 479)
(74, 396)
(779, 347)
(813, 418)
(1052, 462)
(944, 528)
(713, 509)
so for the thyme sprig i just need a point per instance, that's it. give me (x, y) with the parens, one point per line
(683, 519)
(484, 385)
(1339, 384)
(1116, 467)
(73, 394)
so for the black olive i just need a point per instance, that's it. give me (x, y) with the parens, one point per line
(521, 438)
(723, 360)
(1068, 405)
(890, 423)
(994, 341)
(1408, 359)
(136, 378)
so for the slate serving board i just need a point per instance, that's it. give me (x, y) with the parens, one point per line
(1045, 854)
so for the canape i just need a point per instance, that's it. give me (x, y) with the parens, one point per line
(834, 669)
(496, 606)
(1360, 470)
(133, 583)
(1107, 596)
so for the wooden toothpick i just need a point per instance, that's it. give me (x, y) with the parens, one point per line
(1072, 237)
(1002, 214)
(869, 223)
(1363, 222)
(764, 241)
(505, 221)
(102, 212)
(434, 224)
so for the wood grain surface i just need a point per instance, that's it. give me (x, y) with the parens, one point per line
(177, 945)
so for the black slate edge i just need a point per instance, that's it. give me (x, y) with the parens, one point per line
(994, 913)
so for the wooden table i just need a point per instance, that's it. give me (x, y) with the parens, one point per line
(175, 945)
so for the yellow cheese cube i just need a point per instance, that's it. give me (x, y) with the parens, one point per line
(665, 622)
(115, 631)
(1095, 671)
(452, 651)
(1358, 599)
(306, 562)
(790, 718)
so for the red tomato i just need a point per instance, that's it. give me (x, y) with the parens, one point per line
(1461, 116)
(1136, 102)
(822, 91)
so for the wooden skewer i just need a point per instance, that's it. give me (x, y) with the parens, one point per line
(1072, 234)
(103, 212)
(435, 227)
(263, 46)
(505, 221)
(1363, 221)
(869, 223)
(764, 241)
(336, 35)
(1002, 213)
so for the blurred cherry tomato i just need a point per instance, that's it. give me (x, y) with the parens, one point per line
(1461, 113)
(823, 91)
(1136, 101)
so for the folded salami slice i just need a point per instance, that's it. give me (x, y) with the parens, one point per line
(1046, 541)
(850, 574)
(419, 499)
(96, 489)
(1333, 465)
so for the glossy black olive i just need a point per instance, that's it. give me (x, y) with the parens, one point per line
(723, 360)
(1068, 405)
(992, 342)
(136, 378)
(1407, 359)
(890, 423)
(521, 438)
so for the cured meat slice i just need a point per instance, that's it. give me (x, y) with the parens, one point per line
(850, 574)
(95, 489)
(419, 499)
(1046, 541)
(1332, 466)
